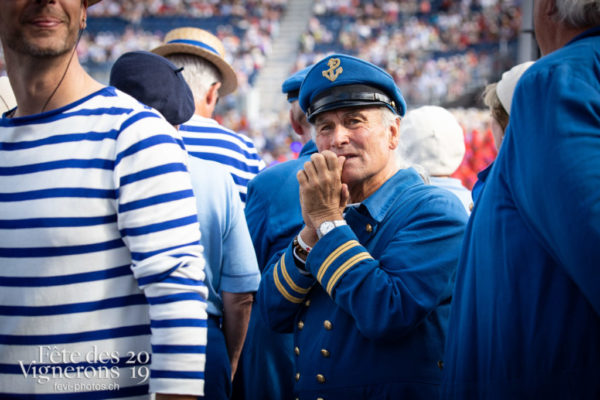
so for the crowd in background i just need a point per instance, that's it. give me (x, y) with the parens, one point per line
(135, 10)
(436, 50)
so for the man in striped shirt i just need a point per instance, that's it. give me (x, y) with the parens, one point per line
(202, 56)
(101, 269)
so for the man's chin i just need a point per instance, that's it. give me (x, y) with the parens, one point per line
(42, 48)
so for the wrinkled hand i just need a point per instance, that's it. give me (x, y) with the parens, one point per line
(323, 196)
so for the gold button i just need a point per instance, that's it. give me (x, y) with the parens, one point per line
(300, 325)
(328, 325)
(320, 378)
(297, 376)
(297, 350)
(440, 364)
(369, 228)
(325, 353)
(471, 207)
(307, 303)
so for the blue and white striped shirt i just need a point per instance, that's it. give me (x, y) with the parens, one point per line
(100, 264)
(205, 138)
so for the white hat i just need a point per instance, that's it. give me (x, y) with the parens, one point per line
(506, 87)
(7, 97)
(431, 136)
(201, 43)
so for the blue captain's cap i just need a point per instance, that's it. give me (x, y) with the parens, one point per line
(340, 81)
(291, 86)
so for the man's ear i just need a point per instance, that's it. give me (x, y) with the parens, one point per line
(550, 8)
(295, 125)
(212, 94)
(394, 130)
(83, 21)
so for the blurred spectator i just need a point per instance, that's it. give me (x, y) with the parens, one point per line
(432, 138)
(201, 57)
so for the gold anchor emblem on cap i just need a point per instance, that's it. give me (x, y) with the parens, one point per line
(333, 72)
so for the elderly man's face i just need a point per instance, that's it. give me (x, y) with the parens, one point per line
(366, 138)
(41, 28)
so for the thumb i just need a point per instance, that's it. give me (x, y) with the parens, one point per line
(344, 195)
(341, 161)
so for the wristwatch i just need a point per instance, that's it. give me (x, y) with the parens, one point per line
(328, 226)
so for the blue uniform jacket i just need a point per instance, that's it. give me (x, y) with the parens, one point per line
(273, 207)
(274, 217)
(526, 312)
(370, 320)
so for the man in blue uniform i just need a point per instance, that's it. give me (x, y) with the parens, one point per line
(526, 311)
(274, 217)
(365, 289)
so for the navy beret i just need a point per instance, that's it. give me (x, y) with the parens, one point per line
(291, 86)
(156, 82)
(340, 81)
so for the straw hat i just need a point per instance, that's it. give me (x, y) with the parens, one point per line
(203, 44)
(7, 97)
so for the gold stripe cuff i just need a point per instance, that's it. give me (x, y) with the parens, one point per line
(345, 267)
(282, 290)
(331, 258)
(289, 280)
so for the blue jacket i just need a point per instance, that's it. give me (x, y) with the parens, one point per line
(526, 312)
(265, 370)
(370, 319)
(273, 207)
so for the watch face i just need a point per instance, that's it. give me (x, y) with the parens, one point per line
(326, 227)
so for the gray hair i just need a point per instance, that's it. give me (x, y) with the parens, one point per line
(199, 74)
(578, 13)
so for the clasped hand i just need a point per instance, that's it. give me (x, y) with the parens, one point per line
(323, 196)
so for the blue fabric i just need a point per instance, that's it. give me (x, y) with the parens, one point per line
(480, 183)
(230, 259)
(218, 368)
(291, 86)
(266, 367)
(377, 297)
(456, 187)
(526, 312)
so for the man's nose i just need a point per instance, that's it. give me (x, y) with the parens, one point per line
(340, 136)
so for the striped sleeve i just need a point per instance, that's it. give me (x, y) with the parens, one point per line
(157, 219)
(282, 291)
(205, 138)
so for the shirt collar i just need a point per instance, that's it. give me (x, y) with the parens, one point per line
(309, 148)
(379, 203)
(590, 32)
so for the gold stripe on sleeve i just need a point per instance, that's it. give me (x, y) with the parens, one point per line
(289, 280)
(346, 266)
(331, 258)
(282, 290)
